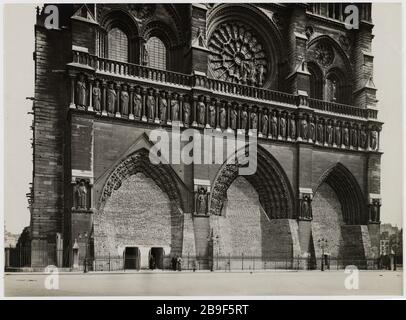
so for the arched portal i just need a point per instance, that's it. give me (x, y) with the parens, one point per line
(339, 215)
(140, 207)
(252, 215)
(269, 180)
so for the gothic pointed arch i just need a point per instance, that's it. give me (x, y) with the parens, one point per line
(325, 53)
(139, 162)
(349, 193)
(118, 36)
(269, 180)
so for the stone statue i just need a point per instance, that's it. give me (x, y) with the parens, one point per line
(212, 115)
(186, 111)
(374, 139)
(145, 55)
(374, 211)
(354, 136)
(320, 132)
(264, 123)
(137, 101)
(124, 98)
(81, 91)
(201, 202)
(81, 192)
(363, 138)
(163, 106)
(306, 208)
(337, 131)
(175, 107)
(201, 110)
(346, 138)
(244, 118)
(292, 127)
(282, 125)
(329, 134)
(312, 131)
(233, 117)
(254, 121)
(223, 117)
(304, 128)
(111, 98)
(96, 98)
(274, 125)
(261, 72)
(150, 104)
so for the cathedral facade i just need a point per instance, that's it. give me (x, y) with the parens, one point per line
(297, 79)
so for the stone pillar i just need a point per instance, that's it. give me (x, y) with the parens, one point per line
(72, 92)
(104, 97)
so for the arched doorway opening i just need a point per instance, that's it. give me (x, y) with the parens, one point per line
(339, 216)
(156, 258)
(132, 258)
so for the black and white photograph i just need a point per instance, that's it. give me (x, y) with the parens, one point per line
(202, 150)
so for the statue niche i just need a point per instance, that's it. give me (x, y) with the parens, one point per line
(201, 201)
(81, 192)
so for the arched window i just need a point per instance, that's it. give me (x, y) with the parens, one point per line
(316, 82)
(117, 42)
(156, 53)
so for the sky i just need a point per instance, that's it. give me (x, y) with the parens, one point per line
(19, 83)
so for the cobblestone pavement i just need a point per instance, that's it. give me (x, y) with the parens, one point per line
(204, 284)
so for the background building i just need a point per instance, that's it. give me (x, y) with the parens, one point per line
(294, 75)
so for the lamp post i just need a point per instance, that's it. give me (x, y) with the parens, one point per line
(85, 236)
(322, 244)
(213, 240)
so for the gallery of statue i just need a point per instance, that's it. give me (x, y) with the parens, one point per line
(294, 76)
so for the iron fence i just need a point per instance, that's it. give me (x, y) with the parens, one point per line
(25, 257)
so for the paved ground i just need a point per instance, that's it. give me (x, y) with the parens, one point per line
(205, 284)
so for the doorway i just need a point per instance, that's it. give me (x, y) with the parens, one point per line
(132, 258)
(156, 258)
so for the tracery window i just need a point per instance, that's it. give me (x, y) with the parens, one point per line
(117, 45)
(156, 53)
(316, 82)
(237, 54)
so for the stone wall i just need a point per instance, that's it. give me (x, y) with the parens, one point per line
(138, 214)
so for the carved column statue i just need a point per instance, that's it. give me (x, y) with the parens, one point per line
(244, 120)
(81, 92)
(223, 117)
(124, 100)
(163, 105)
(282, 126)
(354, 136)
(212, 114)
(346, 136)
(150, 105)
(111, 99)
(254, 120)
(201, 110)
(96, 92)
(264, 122)
(175, 108)
(233, 118)
(305, 206)
(337, 134)
(137, 103)
(104, 98)
(312, 130)
(201, 201)
(292, 127)
(362, 138)
(374, 139)
(329, 133)
(374, 210)
(186, 111)
(81, 192)
(304, 128)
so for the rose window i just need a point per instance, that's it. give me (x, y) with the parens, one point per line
(237, 55)
(324, 54)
